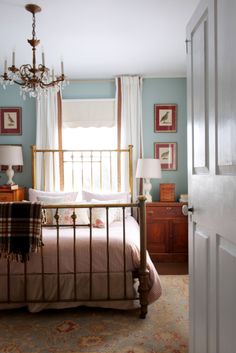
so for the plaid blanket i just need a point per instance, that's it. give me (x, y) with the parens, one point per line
(20, 229)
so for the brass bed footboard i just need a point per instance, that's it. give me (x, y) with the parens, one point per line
(36, 277)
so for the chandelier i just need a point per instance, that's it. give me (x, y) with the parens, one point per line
(33, 80)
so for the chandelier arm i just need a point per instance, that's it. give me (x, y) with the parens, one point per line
(19, 83)
(53, 83)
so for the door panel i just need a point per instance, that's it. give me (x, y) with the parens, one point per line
(226, 280)
(226, 79)
(179, 243)
(158, 235)
(199, 96)
(201, 246)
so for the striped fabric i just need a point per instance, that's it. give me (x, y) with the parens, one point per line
(20, 229)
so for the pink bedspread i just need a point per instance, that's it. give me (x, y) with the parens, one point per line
(99, 268)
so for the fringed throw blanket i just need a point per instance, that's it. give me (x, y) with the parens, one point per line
(20, 229)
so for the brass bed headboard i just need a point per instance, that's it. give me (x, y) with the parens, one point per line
(75, 169)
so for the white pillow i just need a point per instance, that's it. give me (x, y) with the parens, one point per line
(124, 196)
(64, 213)
(33, 194)
(120, 197)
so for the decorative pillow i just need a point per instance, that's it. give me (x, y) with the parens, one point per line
(99, 218)
(120, 197)
(64, 213)
(33, 194)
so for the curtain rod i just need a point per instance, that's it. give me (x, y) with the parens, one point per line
(92, 80)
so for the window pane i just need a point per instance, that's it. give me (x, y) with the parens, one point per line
(96, 172)
(90, 138)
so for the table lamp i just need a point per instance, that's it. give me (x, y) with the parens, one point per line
(148, 168)
(10, 155)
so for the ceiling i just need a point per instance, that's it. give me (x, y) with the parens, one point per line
(100, 38)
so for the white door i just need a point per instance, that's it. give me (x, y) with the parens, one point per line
(212, 176)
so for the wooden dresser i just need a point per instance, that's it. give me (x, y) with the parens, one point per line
(12, 195)
(167, 232)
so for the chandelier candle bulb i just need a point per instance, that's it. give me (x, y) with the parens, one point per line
(53, 76)
(5, 66)
(43, 59)
(62, 68)
(13, 58)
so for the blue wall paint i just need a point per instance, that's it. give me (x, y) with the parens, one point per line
(154, 91)
(166, 90)
(11, 98)
(87, 89)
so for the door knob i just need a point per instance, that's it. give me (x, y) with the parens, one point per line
(186, 210)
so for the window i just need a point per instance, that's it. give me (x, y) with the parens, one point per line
(89, 125)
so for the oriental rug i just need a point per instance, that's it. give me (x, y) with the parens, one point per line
(89, 330)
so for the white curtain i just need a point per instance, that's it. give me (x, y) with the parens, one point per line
(131, 120)
(47, 138)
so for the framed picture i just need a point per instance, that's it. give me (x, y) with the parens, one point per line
(165, 117)
(10, 121)
(16, 168)
(167, 153)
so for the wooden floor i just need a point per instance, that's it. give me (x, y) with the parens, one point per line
(172, 268)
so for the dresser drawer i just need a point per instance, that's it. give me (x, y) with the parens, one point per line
(12, 195)
(154, 213)
(6, 197)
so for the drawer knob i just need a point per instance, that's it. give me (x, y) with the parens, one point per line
(150, 212)
(169, 208)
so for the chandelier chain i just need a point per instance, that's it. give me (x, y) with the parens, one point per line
(33, 26)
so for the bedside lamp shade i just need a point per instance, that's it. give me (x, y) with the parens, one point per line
(10, 155)
(148, 168)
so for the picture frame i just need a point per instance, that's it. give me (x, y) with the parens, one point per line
(165, 117)
(16, 168)
(167, 153)
(10, 121)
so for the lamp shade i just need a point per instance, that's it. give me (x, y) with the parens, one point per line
(148, 168)
(11, 155)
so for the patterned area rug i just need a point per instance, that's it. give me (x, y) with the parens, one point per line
(165, 330)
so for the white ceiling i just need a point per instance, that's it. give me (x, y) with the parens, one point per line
(100, 38)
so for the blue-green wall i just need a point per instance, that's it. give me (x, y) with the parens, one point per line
(86, 89)
(11, 98)
(166, 90)
(155, 90)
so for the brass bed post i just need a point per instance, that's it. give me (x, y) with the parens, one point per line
(61, 169)
(143, 272)
(33, 148)
(131, 172)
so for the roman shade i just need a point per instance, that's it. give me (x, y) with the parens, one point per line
(88, 113)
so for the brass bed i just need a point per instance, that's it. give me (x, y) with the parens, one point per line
(84, 275)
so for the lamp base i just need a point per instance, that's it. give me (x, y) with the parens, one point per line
(147, 186)
(10, 174)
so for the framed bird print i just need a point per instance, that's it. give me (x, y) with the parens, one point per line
(167, 153)
(10, 121)
(165, 117)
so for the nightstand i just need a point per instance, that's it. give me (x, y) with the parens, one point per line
(12, 195)
(167, 232)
